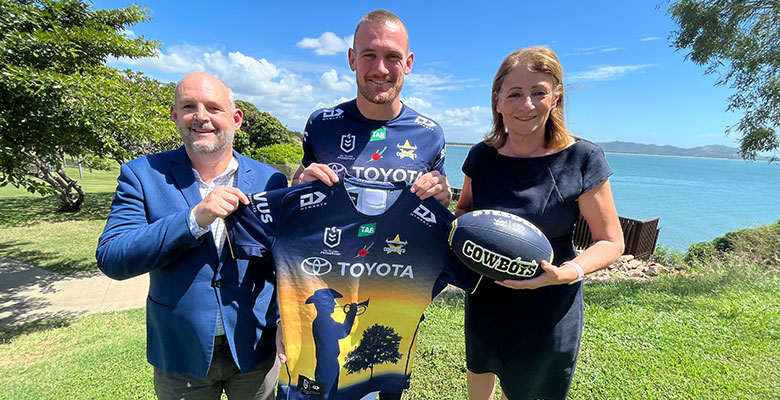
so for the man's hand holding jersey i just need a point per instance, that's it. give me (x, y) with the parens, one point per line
(220, 203)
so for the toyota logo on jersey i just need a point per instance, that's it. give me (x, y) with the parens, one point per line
(316, 266)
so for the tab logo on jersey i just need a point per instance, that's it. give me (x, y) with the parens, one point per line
(311, 200)
(425, 122)
(332, 237)
(316, 266)
(347, 142)
(378, 134)
(406, 150)
(367, 229)
(424, 214)
(332, 113)
(395, 245)
(339, 169)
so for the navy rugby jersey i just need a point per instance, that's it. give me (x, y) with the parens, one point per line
(401, 149)
(352, 287)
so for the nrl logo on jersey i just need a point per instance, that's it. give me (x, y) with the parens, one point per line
(406, 150)
(396, 245)
(425, 122)
(424, 214)
(332, 237)
(332, 113)
(347, 143)
(311, 200)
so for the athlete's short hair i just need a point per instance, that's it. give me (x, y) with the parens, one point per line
(534, 59)
(380, 17)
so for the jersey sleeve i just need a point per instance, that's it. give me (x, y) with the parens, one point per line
(594, 169)
(252, 228)
(438, 162)
(308, 149)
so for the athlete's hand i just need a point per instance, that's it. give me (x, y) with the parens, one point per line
(220, 203)
(318, 171)
(433, 184)
(280, 352)
(552, 275)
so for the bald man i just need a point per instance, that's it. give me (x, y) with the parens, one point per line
(210, 317)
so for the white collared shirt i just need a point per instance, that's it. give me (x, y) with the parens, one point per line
(217, 228)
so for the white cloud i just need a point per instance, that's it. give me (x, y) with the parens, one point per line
(327, 44)
(427, 84)
(589, 51)
(416, 103)
(647, 39)
(330, 81)
(468, 124)
(605, 73)
(128, 33)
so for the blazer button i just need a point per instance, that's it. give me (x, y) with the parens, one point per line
(218, 283)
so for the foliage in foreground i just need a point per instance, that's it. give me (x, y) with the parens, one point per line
(712, 335)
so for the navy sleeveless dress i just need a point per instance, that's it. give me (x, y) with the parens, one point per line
(530, 338)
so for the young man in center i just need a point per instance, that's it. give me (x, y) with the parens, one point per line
(376, 136)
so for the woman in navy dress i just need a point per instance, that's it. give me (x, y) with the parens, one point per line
(527, 332)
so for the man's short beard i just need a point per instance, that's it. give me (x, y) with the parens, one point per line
(223, 139)
(384, 98)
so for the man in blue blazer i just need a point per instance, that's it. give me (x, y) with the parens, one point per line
(211, 318)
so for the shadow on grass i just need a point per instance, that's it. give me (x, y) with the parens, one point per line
(22, 211)
(50, 261)
(8, 333)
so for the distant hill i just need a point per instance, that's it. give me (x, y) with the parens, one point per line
(713, 151)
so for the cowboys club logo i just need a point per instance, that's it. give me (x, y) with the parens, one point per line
(395, 245)
(316, 266)
(406, 150)
(424, 214)
(310, 200)
(339, 169)
(332, 237)
(347, 142)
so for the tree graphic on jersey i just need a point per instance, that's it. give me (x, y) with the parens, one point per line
(378, 345)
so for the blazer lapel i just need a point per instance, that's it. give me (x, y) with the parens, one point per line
(244, 177)
(181, 169)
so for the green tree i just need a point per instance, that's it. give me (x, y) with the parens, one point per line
(58, 98)
(262, 128)
(740, 41)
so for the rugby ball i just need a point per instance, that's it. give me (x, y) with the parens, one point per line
(499, 245)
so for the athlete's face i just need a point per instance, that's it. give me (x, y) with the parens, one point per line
(380, 59)
(204, 114)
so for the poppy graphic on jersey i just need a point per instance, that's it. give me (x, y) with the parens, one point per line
(364, 251)
(378, 154)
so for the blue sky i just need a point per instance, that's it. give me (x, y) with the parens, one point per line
(623, 79)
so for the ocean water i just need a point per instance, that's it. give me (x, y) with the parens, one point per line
(695, 199)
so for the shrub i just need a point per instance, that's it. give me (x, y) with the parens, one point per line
(667, 256)
(286, 153)
(702, 252)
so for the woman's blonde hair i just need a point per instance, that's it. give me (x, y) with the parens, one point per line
(535, 59)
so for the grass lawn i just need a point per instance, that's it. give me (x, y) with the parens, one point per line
(33, 232)
(712, 336)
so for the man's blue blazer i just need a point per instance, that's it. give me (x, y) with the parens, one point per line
(148, 231)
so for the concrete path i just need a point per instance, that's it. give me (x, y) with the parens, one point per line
(30, 294)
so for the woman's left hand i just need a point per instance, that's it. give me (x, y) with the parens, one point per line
(552, 275)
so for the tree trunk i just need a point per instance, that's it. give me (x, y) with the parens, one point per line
(71, 193)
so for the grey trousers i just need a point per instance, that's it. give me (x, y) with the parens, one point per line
(224, 375)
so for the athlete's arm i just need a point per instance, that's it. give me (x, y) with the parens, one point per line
(433, 184)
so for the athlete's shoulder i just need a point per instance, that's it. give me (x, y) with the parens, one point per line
(410, 116)
(338, 112)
